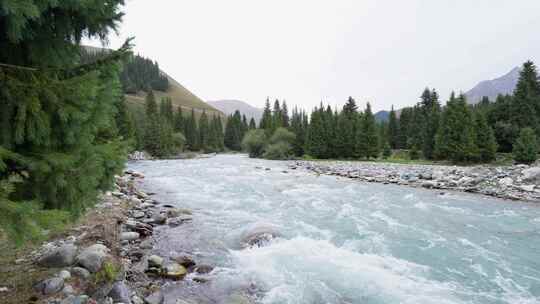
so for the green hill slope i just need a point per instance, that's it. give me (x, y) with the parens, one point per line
(180, 96)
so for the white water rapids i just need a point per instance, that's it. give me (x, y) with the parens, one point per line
(340, 240)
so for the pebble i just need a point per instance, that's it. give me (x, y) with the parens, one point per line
(129, 236)
(155, 261)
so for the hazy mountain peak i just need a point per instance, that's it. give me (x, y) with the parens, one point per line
(491, 88)
(228, 106)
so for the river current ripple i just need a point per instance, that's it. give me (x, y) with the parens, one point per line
(343, 241)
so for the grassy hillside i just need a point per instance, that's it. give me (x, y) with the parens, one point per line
(180, 97)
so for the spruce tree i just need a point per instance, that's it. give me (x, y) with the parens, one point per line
(284, 115)
(179, 120)
(192, 133)
(125, 121)
(58, 143)
(276, 116)
(152, 126)
(393, 129)
(526, 99)
(316, 144)
(455, 138)
(298, 128)
(404, 126)
(431, 109)
(252, 124)
(485, 138)
(368, 141)
(266, 120)
(526, 147)
(204, 131)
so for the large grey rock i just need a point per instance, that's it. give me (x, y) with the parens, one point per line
(506, 181)
(120, 293)
(80, 272)
(93, 257)
(174, 270)
(59, 257)
(50, 286)
(155, 261)
(531, 174)
(155, 298)
(129, 236)
(82, 299)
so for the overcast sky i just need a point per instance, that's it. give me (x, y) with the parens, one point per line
(380, 51)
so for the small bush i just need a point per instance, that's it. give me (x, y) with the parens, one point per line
(279, 150)
(254, 142)
(526, 147)
(179, 141)
(386, 151)
(282, 135)
(108, 273)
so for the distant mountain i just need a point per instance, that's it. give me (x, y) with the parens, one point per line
(229, 106)
(382, 116)
(491, 88)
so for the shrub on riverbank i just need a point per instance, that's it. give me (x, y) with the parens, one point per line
(254, 142)
(526, 147)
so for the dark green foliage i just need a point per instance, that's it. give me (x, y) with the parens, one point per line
(125, 122)
(280, 145)
(152, 126)
(386, 150)
(455, 139)
(142, 74)
(285, 121)
(346, 130)
(525, 106)
(485, 138)
(254, 142)
(431, 109)
(252, 124)
(59, 141)
(179, 120)
(266, 120)
(166, 109)
(299, 128)
(526, 147)
(367, 144)
(192, 132)
(316, 141)
(234, 132)
(204, 132)
(404, 122)
(393, 130)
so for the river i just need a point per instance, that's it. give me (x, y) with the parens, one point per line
(340, 240)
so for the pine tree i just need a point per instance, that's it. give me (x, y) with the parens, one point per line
(252, 124)
(526, 147)
(298, 128)
(152, 126)
(526, 99)
(124, 121)
(204, 131)
(386, 150)
(485, 138)
(316, 144)
(367, 139)
(393, 129)
(166, 109)
(431, 109)
(455, 138)
(58, 143)
(346, 129)
(192, 133)
(276, 116)
(266, 120)
(179, 120)
(284, 115)
(404, 126)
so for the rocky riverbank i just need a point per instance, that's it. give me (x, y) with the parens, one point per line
(518, 182)
(108, 257)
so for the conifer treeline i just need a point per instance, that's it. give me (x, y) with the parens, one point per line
(457, 132)
(142, 74)
(167, 131)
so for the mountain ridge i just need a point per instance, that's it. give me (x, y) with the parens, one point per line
(229, 106)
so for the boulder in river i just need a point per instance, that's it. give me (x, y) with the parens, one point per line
(174, 270)
(155, 298)
(258, 235)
